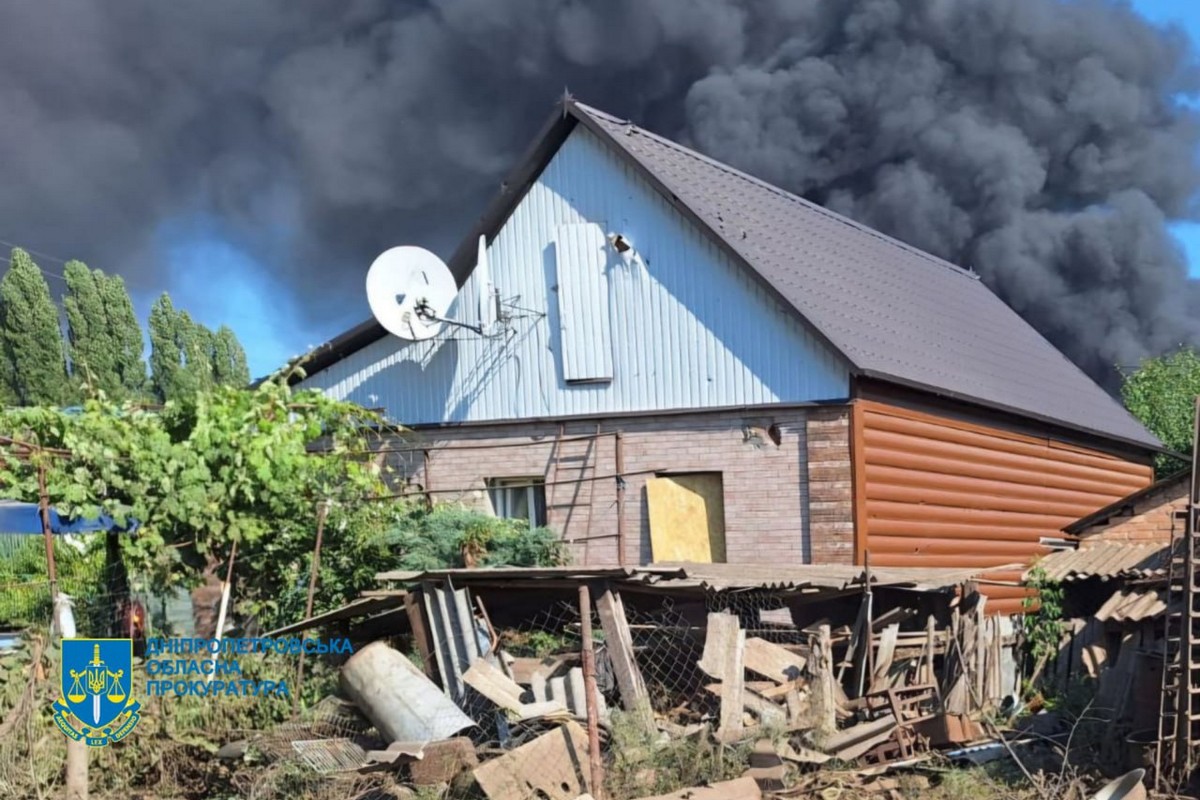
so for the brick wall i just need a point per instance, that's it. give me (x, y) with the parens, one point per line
(783, 503)
(830, 487)
(1149, 520)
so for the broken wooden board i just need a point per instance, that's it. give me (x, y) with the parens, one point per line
(772, 661)
(553, 766)
(767, 713)
(619, 642)
(824, 698)
(739, 789)
(493, 684)
(883, 658)
(724, 644)
(849, 744)
(801, 755)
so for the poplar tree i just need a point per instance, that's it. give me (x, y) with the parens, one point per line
(166, 357)
(89, 337)
(126, 335)
(32, 334)
(229, 359)
(196, 344)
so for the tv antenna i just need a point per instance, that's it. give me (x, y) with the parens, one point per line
(410, 291)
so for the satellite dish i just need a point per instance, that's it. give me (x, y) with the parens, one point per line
(410, 291)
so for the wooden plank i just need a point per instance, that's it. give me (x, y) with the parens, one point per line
(424, 642)
(772, 661)
(849, 744)
(884, 657)
(768, 713)
(724, 645)
(954, 676)
(619, 641)
(824, 699)
(493, 684)
(552, 766)
(740, 789)
(894, 616)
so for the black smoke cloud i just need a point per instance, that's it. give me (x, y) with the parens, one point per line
(1041, 143)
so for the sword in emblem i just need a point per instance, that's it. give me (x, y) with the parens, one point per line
(97, 680)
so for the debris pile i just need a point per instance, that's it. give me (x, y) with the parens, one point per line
(755, 681)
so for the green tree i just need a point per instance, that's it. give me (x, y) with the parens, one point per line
(225, 466)
(89, 336)
(1162, 394)
(229, 359)
(196, 345)
(126, 335)
(32, 334)
(166, 357)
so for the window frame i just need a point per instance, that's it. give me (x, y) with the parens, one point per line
(502, 498)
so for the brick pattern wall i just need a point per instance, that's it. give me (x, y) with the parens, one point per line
(785, 503)
(1150, 521)
(830, 487)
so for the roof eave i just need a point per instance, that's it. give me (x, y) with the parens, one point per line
(1143, 446)
(550, 137)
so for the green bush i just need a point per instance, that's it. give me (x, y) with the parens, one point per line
(24, 581)
(436, 539)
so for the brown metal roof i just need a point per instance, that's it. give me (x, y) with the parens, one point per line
(1107, 560)
(895, 312)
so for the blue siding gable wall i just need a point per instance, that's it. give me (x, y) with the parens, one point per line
(687, 327)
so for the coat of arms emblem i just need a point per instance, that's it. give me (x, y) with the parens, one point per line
(97, 682)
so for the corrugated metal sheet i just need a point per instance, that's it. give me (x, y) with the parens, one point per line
(1107, 560)
(690, 329)
(1132, 605)
(581, 263)
(939, 492)
(714, 577)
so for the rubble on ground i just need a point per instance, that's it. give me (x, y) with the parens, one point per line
(803, 675)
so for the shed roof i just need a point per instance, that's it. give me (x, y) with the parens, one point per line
(895, 312)
(1107, 560)
(1170, 487)
(722, 577)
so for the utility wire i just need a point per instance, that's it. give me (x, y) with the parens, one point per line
(35, 252)
(45, 272)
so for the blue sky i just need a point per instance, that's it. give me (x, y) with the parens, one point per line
(218, 283)
(1186, 14)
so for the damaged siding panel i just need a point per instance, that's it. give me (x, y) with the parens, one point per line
(939, 492)
(581, 263)
(689, 328)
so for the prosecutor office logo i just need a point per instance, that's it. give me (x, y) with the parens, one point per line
(97, 681)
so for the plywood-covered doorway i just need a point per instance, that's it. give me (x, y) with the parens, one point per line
(687, 517)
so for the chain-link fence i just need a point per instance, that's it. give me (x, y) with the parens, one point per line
(510, 691)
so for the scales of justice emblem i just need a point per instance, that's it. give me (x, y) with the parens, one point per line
(97, 683)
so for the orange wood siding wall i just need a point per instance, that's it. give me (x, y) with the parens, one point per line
(937, 492)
